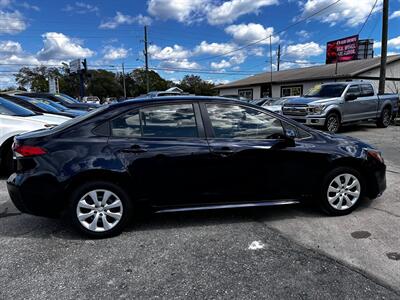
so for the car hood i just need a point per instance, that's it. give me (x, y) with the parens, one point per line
(49, 119)
(309, 100)
(274, 108)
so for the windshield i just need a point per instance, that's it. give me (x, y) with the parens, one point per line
(11, 109)
(66, 98)
(44, 106)
(53, 104)
(326, 91)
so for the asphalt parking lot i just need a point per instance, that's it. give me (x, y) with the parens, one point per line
(280, 252)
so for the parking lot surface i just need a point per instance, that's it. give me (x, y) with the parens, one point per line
(281, 252)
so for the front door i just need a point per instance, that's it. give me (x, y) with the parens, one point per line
(164, 150)
(251, 160)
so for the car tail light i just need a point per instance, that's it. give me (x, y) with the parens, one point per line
(376, 155)
(26, 151)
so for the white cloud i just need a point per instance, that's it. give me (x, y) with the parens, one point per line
(12, 22)
(26, 5)
(229, 11)
(392, 43)
(303, 34)
(121, 19)
(179, 64)
(189, 11)
(353, 13)
(58, 46)
(248, 33)
(81, 8)
(214, 48)
(303, 50)
(175, 52)
(395, 14)
(113, 53)
(10, 47)
(5, 3)
(221, 65)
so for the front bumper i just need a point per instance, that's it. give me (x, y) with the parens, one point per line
(308, 120)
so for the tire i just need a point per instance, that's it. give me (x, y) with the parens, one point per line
(110, 222)
(332, 123)
(7, 161)
(332, 194)
(385, 118)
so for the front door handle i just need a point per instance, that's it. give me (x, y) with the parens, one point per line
(134, 149)
(223, 151)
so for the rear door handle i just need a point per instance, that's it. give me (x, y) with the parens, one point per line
(134, 149)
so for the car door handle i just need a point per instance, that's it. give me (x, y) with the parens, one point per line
(224, 151)
(134, 149)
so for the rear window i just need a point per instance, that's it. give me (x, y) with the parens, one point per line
(11, 109)
(367, 90)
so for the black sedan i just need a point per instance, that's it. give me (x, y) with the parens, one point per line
(186, 153)
(63, 99)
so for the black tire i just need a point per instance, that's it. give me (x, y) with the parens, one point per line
(385, 118)
(323, 195)
(332, 123)
(81, 191)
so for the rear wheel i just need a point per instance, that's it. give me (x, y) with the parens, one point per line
(341, 191)
(100, 209)
(332, 123)
(385, 118)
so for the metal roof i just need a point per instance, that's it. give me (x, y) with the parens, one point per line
(345, 70)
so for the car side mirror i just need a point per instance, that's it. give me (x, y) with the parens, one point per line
(290, 136)
(350, 97)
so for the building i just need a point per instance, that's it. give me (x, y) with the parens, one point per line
(295, 82)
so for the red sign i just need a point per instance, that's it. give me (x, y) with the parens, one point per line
(345, 49)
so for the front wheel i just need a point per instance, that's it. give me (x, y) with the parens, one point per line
(99, 209)
(385, 118)
(332, 123)
(341, 191)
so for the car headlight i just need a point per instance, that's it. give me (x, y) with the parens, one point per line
(316, 109)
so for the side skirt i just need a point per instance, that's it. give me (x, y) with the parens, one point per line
(225, 206)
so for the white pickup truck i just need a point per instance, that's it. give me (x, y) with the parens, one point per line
(331, 105)
(15, 120)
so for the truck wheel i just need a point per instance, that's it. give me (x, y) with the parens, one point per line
(385, 118)
(332, 123)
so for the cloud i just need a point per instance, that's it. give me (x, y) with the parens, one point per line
(249, 33)
(304, 34)
(352, 13)
(214, 48)
(26, 5)
(230, 11)
(189, 11)
(121, 19)
(395, 14)
(113, 53)
(303, 50)
(5, 3)
(221, 65)
(12, 22)
(175, 52)
(58, 46)
(81, 8)
(10, 47)
(392, 43)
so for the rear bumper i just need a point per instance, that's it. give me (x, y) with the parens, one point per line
(36, 195)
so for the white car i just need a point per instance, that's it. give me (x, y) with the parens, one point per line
(15, 120)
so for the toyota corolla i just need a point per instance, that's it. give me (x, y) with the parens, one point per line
(186, 153)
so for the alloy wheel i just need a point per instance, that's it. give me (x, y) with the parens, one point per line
(333, 124)
(386, 117)
(99, 210)
(344, 191)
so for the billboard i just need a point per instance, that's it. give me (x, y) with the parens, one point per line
(345, 49)
(75, 66)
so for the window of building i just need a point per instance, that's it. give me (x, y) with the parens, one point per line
(177, 120)
(235, 121)
(295, 90)
(246, 93)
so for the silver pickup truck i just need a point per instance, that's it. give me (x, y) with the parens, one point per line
(331, 105)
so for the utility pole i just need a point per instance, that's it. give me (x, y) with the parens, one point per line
(123, 79)
(270, 60)
(279, 58)
(146, 59)
(385, 17)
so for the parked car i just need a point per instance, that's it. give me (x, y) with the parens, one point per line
(186, 153)
(69, 112)
(275, 105)
(14, 120)
(332, 105)
(237, 97)
(62, 99)
(262, 101)
(35, 105)
(91, 99)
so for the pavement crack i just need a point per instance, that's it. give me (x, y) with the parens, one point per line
(388, 212)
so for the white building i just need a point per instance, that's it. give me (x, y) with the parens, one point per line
(295, 82)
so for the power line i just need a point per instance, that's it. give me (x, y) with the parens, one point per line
(366, 20)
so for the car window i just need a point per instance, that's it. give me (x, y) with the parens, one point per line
(367, 90)
(235, 121)
(11, 109)
(354, 89)
(165, 121)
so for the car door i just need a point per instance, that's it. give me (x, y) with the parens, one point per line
(164, 149)
(370, 100)
(360, 108)
(251, 159)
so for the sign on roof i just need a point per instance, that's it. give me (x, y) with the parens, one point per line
(345, 49)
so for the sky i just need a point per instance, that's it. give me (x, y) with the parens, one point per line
(220, 40)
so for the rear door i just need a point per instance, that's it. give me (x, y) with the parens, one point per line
(361, 108)
(250, 161)
(164, 149)
(370, 100)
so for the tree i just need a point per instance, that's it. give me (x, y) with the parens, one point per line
(195, 85)
(136, 82)
(36, 78)
(102, 83)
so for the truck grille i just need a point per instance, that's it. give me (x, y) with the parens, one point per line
(294, 110)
